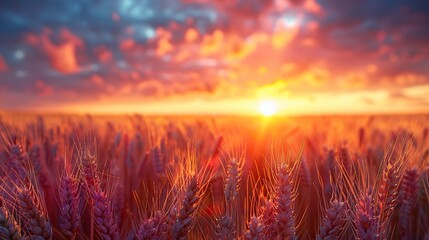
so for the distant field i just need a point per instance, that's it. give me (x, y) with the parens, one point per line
(136, 177)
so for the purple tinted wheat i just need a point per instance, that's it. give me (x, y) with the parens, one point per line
(104, 220)
(89, 167)
(35, 222)
(17, 162)
(304, 174)
(255, 230)
(224, 228)
(160, 223)
(157, 160)
(183, 223)
(69, 206)
(408, 197)
(36, 158)
(153, 228)
(135, 186)
(146, 230)
(388, 195)
(334, 221)
(365, 220)
(232, 184)
(268, 219)
(8, 227)
(285, 216)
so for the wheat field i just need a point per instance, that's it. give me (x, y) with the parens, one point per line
(135, 177)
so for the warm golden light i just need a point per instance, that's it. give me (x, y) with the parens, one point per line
(268, 107)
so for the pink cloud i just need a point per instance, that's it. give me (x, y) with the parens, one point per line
(44, 89)
(103, 54)
(97, 80)
(116, 17)
(127, 44)
(312, 6)
(3, 64)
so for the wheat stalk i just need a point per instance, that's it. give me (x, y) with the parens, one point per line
(334, 221)
(183, 223)
(407, 201)
(388, 195)
(232, 183)
(103, 216)
(69, 205)
(268, 219)
(224, 228)
(9, 229)
(365, 220)
(146, 230)
(89, 166)
(285, 196)
(153, 228)
(36, 223)
(255, 230)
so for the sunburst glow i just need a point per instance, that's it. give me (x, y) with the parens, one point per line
(268, 107)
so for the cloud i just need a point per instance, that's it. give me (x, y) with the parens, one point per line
(104, 55)
(3, 64)
(62, 56)
(164, 45)
(44, 89)
(401, 97)
(211, 49)
(191, 35)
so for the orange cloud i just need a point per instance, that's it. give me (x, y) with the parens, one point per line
(182, 55)
(3, 64)
(191, 35)
(371, 68)
(164, 45)
(239, 49)
(212, 43)
(283, 36)
(409, 79)
(61, 56)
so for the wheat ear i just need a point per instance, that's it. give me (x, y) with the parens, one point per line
(334, 221)
(36, 223)
(69, 206)
(8, 227)
(255, 229)
(285, 197)
(365, 220)
(408, 197)
(224, 228)
(183, 224)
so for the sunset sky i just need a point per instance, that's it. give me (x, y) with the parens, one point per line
(214, 57)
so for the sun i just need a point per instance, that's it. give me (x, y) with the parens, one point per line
(268, 107)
